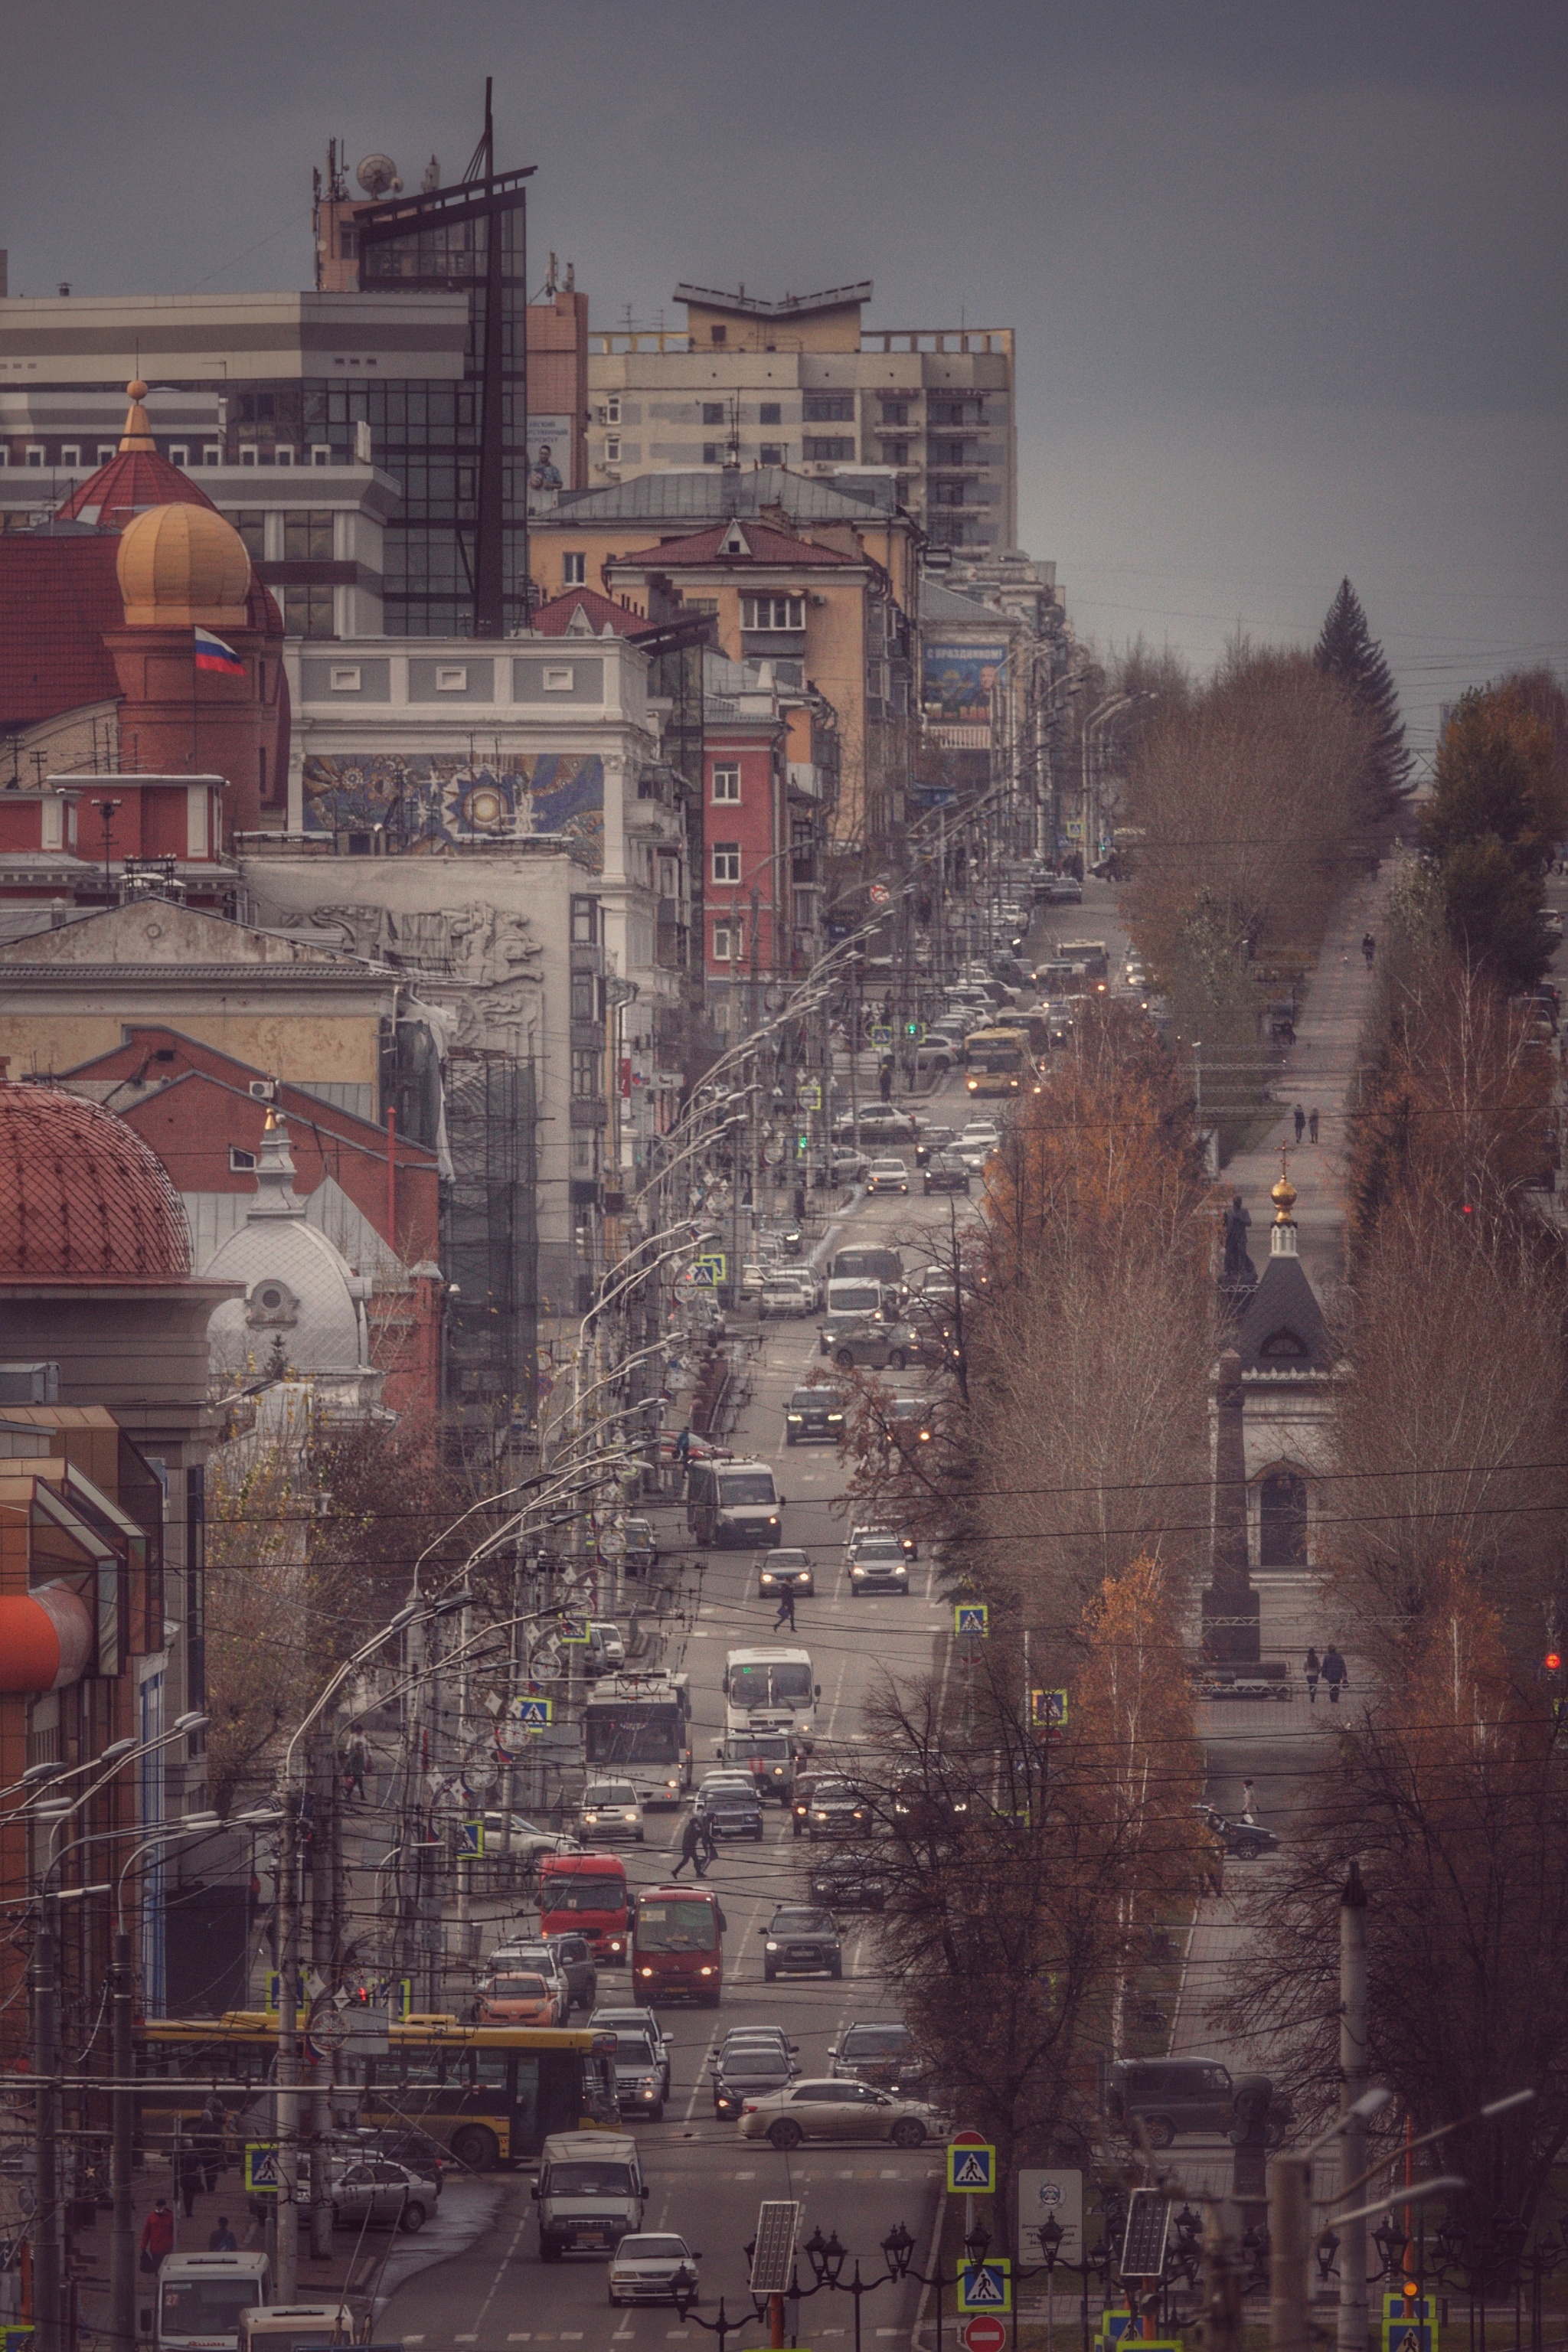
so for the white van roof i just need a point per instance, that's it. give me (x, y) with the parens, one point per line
(237, 2265)
(562, 2145)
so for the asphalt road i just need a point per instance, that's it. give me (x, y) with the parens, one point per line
(706, 2182)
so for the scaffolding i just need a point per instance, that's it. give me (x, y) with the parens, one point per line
(490, 1238)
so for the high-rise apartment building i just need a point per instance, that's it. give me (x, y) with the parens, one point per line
(800, 383)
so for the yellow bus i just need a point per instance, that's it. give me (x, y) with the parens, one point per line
(491, 2094)
(999, 1061)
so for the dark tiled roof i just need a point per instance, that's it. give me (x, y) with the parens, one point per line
(82, 1199)
(1282, 1329)
(762, 546)
(556, 619)
(701, 497)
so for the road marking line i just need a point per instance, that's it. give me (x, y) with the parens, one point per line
(745, 2176)
(890, 2176)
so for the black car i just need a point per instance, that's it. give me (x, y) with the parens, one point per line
(801, 1940)
(945, 1173)
(747, 2071)
(813, 1415)
(843, 1884)
(933, 1140)
(1246, 1840)
(883, 2055)
(731, 1811)
(838, 1810)
(785, 1571)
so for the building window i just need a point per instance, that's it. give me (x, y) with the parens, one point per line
(587, 1083)
(773, 612)
(770, 413)
(826, 448)
(713, 412)
(700, 604)
(728, 943)
(71, 456)
(283, 454)
(558, 677)
(712, 453)
(895, 453)
(308, 535)
(611, 448)
(584, 995)
(106, 450)
(35, 454)
(1283, 1520)
(719, 334)
(585, 922)
(574, 571)
(895, 412)
(668, 878)
(451, 678)
(772, 453)
(345, 678)
(613, 409)
(211, 454)
(726, 861)
(727, 782)
(320, 452)
(251, 524)
(240, 1162)
(829, 408)
(307, 612)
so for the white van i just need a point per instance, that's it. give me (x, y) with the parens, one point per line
(296, 2327)
(590, 2192)
(201, 2297)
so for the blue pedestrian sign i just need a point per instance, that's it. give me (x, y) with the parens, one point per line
(881, 1035)
(533, 1713)
(971, 2167)
(984, 2286)
(972, 1617)
(261, 2168)
(574, 1628)
(471, 1837)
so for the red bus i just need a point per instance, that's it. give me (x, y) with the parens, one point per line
(585, 1895)
(677, 1950)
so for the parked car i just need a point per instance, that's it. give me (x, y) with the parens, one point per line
(883, 2054)
(612, 1809)
(813, 1415)
(653, 2266)
(837, 2110)
(785, 1571)
(848, 1166)
(801, 1940)
(947, 1172)
(644, 2021)
(887, 1176)
(372, 2188)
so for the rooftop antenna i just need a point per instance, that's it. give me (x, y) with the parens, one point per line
(482, 161)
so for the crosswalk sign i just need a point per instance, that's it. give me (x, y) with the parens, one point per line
(572, 1627)
(261, 2168)
(809, 1095)
(702, 1275)
(717, 1266)
(986, 2286)
(471, 1837)
(971, 2168)
(273, 1998)
(1050, 1709)
(881, 1035)
(531, 1713)
(972, 1617)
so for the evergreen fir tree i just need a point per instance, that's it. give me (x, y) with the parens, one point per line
(1348, 651)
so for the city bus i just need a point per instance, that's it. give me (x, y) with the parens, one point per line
(637, 1727)
(490, 2093)
(771, 1688)
(677, 1944)
(999, 1061)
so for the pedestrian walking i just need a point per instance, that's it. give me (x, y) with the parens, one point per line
(356, 1758)
(223, 2240)
(787, 1609)
(188, 2178)
(1335, 1674)
(1368, 949)
(208, 2138)
(710, 1837)
(1314, 1667)
(1249, 1801)
(691, 1849)
(1312, 1124)
(885, 1080)
(158, 2235)
(683, 1447)
(1300, 1122)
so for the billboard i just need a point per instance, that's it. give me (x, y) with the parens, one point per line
(423, 801)
(549, 461)
(957, 681)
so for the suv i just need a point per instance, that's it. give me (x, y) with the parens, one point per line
(1171, 2096)
(883, 2055)
(878, 1562)
(813, 1415)
(801, 1940)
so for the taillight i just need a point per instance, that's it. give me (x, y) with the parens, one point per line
(749, 2108)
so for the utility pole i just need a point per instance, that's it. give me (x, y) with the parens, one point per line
(287, 2279)
(1290, 2255)
(122, 2225)
(1352, 2080)
(49, 2236)
(323, 1846)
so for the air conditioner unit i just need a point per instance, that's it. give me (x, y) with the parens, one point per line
(263, 1090)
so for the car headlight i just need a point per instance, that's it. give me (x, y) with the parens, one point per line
(834, 1416)
(794, 1416)
(704, 1972)
(770, 1946)
(773, 1520)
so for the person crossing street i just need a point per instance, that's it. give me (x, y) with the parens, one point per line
(691, 1849)
(787, 1609)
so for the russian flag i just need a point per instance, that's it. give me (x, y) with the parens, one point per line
(214, 655)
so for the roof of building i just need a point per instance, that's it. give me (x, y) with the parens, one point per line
(302, 1300)
(789, 306)
(134, 479)
(1282, 1329)
(702, 497)
(583, 613)
(82, 1199)
(940, 604)
(739, 542)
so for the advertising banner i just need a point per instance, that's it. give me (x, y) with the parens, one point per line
(957, 681)
(549, 461)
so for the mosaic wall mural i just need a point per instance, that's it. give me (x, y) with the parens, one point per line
(432, 803)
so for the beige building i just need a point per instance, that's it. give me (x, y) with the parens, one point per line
(803, 384)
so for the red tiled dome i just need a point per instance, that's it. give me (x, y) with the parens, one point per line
(82, 1198)
(134, 479)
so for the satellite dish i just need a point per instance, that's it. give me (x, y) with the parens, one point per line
(377, 174)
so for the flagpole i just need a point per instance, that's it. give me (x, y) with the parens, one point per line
(194, 771)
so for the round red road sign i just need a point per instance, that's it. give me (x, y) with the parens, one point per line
(984, 2334)
(970, 2139)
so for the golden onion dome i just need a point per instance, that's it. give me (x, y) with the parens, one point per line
(1283, 1196)
(181, 565)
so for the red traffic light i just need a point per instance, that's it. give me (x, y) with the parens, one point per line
(1552, 1662)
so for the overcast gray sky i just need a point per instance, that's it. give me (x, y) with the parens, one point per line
(1288, 281)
